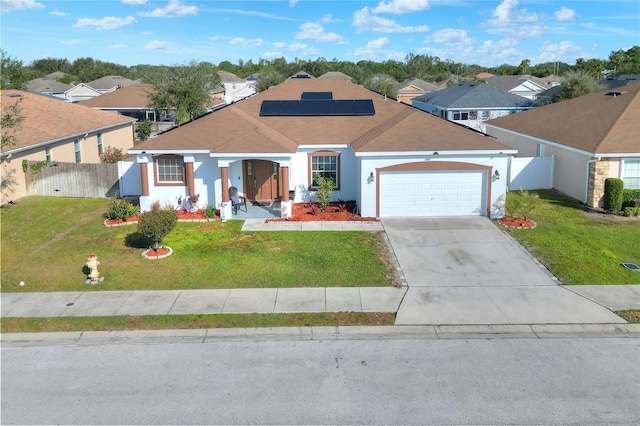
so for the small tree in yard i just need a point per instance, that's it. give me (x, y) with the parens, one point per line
(111, 155)
(325, 188)
(520, 204)
(144, 130)
(157, 223)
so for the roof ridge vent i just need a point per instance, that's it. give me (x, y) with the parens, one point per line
(616, 93)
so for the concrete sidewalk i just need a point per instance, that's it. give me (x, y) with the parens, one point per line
(217, 301)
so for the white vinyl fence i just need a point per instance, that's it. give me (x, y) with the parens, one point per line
(531, 173)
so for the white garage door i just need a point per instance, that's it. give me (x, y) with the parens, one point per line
(419, 194)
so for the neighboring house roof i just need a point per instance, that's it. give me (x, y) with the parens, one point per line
(301, 74)
(47, 119)
(55, 74)
(620, 80)
(484, 75)
(394, 127)
(110, 81)
(599, 123)
(417, 84)
(473, 95)
(510, 82)
(130, 97)
(45, 85)
(550, 94)
(337, 74)
(228, 77)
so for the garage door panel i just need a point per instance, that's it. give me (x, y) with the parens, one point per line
(422, 193)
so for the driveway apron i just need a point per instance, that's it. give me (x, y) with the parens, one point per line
(465, 270)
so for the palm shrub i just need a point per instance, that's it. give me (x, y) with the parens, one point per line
(121, 209)
(613, 189)
(157, 223)
(325, 188)
(520, 204)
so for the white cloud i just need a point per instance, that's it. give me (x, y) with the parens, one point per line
(292, 2)
(279, 44)
(566, 14)
(158, 45)
(377, 49)
(108, 23)
(365, 21)
(118, 46)
(303, 49)
(134, 2)
(451, 37)
(329, 19)
(564, 51)
(401, 6)
(316, 32)
(56, 12)
(73, 42)
(254, 42)
(173, 9)
(9, 5)
(268, 55)
(506, 14)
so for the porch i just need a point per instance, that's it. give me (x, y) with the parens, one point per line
(266, 210)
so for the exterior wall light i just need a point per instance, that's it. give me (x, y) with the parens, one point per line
(496, 175)
(371, 177)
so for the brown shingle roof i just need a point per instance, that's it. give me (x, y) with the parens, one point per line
(239, 128)
(48, 119)
(598, 123)
(134, 96)
(110, 81)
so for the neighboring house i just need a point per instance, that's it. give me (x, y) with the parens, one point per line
(57, 131)
(235, 88)
(484, 75)
(131, 101)
(392, 159)
(592, 137)
(80, 92)
(110, 83)
(337, 74)
(412, 88)
(471, 104)
(301, 75)
(48, 87)
(620, 80)
(522, 85)
(56, 75)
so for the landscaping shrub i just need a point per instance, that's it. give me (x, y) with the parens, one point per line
(111, 155)
(144, 130)
(325, 188)
(613, 195)
(121, 209)
(209, 211)
(157, 223)
(520, 204)
(630, 198)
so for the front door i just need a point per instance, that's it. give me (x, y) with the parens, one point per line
(261, 180)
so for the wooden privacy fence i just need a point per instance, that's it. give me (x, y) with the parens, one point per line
(72, 180)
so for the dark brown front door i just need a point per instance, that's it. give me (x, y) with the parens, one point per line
(260, 180)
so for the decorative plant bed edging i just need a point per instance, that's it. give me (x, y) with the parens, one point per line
(517, 223)
(111, 223)
(160, 253)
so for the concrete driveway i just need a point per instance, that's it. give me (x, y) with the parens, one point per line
(467, 271)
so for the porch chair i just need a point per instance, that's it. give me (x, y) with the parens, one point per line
(237, 200)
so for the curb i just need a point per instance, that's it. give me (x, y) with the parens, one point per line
(423, 332)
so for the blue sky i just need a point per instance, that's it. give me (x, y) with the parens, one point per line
(484, 32)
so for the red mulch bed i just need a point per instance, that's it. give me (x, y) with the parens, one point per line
(180, 214)
(335, 212)
(516, 222)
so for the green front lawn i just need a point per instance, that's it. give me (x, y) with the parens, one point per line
(46, 242)
(580, 247)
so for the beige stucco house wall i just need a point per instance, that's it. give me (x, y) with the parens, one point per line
(49, 132)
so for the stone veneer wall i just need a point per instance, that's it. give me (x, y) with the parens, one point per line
(598, 172)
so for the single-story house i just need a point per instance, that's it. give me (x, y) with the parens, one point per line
(56, 131)
(592, 137)
(414, 87)
(526, 86)
(110, 83)
(471, 104)
(392, 159)
(49, 87)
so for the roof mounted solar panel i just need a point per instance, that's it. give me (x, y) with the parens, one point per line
(290, 107)
(270, 108)
(317, 95)
(364, 107)
(309, 107)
